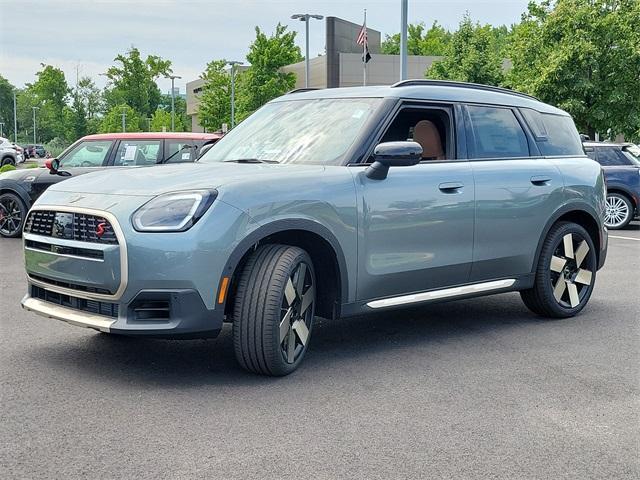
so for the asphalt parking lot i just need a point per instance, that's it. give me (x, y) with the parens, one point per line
(470, 389)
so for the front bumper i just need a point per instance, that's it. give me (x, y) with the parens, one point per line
(168, 313)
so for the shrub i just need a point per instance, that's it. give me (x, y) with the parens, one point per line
(7, 168)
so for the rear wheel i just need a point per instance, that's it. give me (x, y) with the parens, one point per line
(566, 273)
(619, 211)
(13, 212)
(274, 310)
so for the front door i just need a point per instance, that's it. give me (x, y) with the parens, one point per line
(416, 225)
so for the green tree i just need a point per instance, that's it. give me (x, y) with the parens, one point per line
(419, 42)
(92, 101)
(6, 106)
(215, 99)
(161, 120)
(584, 57)
(112, 121)
(49, 93)
(472, 56)
(133, 81)
(264, 80)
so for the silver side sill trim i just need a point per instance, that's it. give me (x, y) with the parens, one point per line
(440, 294)
(74, 317)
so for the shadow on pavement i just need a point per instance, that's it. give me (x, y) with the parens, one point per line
(335, 344)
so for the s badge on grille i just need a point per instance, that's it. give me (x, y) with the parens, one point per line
(100, 229)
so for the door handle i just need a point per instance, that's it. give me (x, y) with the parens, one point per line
(451, 187)
(541, 180)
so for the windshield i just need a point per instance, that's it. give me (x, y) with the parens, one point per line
(318, 131)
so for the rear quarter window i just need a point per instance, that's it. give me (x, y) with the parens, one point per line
(554, 134)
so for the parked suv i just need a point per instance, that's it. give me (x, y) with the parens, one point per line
(9, 153)
(328, 203)
(19, 189)
(621, 167)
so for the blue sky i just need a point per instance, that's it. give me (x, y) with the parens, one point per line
(87, 34)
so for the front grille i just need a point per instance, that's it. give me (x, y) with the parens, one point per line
(91, 306)
(71, 286)
(70, 226)
(62, 250)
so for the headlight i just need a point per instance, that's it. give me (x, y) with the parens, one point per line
(173, 212)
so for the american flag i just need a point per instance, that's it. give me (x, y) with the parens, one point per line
(362, 40)
(362, 36)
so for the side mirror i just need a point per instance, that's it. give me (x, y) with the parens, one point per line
(393, 154)
(54, 168)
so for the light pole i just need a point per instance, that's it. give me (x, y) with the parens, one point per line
(304, 17)
(403, 39)
(15, 119)
(34, 123)
(173, 95)
(233, 64)
(1, 131)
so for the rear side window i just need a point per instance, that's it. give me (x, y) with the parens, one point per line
(611, 157)
(555, 134)
(497, 133)
(137, 152)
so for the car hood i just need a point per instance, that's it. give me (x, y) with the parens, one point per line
(145, 181)
(22, 174)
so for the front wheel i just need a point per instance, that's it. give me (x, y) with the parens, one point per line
(566, 273)
(274, 310)
(13, 212)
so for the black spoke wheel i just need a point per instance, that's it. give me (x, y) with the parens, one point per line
(274, 310)
(12, 215)
(565, 274)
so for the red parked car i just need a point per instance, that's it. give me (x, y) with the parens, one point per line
(20, 188)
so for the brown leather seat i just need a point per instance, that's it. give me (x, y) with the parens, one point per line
(427, 135)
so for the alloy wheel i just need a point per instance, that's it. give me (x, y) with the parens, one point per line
(616, 212)
(297, 313)
(571, 270)
(10, 217)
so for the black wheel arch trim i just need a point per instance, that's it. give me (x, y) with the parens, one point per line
(278, 226)
(577, 206)
(13, 186)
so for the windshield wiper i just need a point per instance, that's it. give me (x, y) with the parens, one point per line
(250, 160)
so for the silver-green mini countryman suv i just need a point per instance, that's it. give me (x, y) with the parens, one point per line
(328, 203)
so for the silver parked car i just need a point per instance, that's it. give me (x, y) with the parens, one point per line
(328, 203)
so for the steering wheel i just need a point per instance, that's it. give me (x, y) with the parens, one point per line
(86, 163)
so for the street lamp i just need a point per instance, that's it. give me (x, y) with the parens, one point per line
(124, 120)
(1, 131)
(304, 17)
(232, 64)
(403, 39)
(173, 107)
(34, 123)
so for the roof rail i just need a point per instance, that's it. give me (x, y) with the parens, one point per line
(451, 83)
(300, 90)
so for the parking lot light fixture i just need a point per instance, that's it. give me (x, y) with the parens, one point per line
(232, 64)
(173, 101)
(304, 17)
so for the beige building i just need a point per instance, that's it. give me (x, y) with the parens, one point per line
(340, 66)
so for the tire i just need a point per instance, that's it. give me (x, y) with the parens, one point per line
(565, 274)
(274, 309)
(13, 213)
(619, 211)
(8, 161)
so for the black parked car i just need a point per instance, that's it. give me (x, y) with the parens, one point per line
(621, 167)
(20, 188)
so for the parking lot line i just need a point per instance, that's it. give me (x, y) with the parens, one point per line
(625, 238)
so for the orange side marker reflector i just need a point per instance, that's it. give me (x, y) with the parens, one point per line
(224, 286)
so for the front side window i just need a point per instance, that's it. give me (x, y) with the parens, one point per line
(86, 154)
(137, 152)
(497, 133)
(317, 131)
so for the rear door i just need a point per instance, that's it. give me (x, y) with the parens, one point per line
(517, 191)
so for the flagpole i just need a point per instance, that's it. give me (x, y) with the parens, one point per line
(364, 50)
